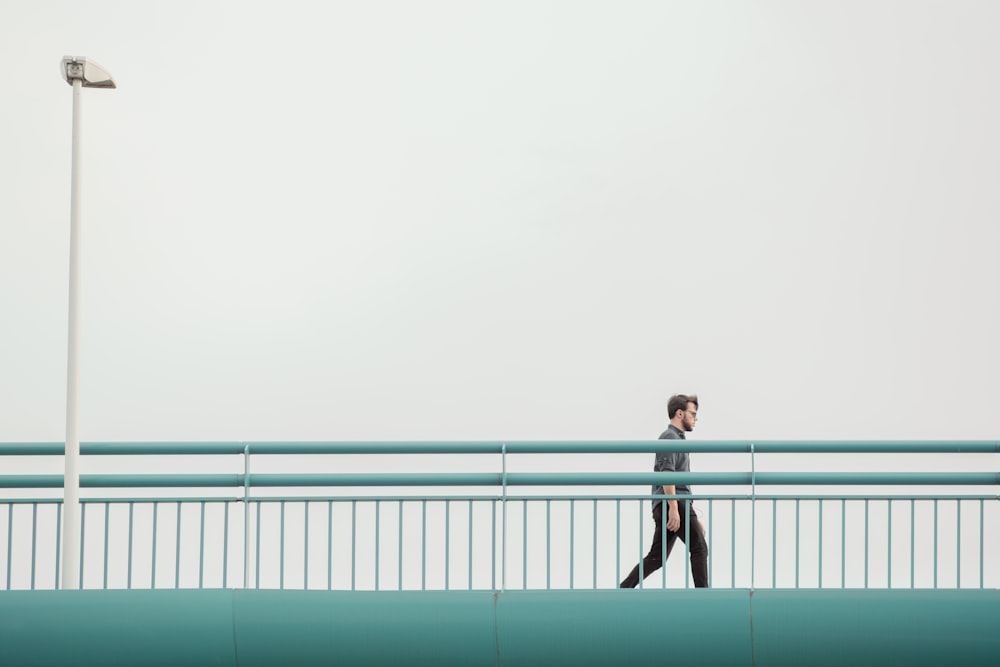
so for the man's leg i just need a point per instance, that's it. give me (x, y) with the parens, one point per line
(697, 549)
(654, 559)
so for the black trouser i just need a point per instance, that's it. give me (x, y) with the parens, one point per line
(697, 547)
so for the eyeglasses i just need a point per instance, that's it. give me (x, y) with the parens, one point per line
(694, 415)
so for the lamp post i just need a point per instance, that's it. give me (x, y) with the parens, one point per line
(79, 73)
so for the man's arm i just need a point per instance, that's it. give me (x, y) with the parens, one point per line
(673, 515)
(665, 462)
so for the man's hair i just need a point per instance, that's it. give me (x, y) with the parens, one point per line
(680, 402)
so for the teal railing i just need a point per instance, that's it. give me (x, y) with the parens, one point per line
(490, 516)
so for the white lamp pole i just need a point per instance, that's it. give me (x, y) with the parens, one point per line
(79, 73)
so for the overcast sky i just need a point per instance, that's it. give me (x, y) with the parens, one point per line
(440, 220)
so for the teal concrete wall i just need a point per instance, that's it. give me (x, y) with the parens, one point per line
(768, 628)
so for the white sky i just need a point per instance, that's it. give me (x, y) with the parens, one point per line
(456, 220)
(440, 220)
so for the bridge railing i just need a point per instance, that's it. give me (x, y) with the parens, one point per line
(394, 516)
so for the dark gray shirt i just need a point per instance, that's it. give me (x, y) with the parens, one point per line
(672, 462)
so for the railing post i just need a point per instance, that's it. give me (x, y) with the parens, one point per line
(246, 515)
(753, 519)
(503, 503)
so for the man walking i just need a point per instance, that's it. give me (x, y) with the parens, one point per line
(683, 416)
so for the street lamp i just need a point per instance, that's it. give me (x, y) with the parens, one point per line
(79, 73)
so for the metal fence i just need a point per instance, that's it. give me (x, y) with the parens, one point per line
(353, 524)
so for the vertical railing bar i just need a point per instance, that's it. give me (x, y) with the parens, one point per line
(83, 535)
(732, 543)
(687, 542)
(378, 518)
(177, 549)
(59, 542)
(958, 544)
(548, 543)
(470, 544)
(888, 559)
(305, 548)
(34, 541)
(913, 506)
(447, 544)
(399, 543)
(423, 545)
(618, 536)
(201, 549)
(354, 543)
(982, 508)
(493, 547)
(753, 543)
(281, 548)
(593, 574)
(774, 543)
(711, 529)
(572, 549)
(107, 521)
(843, 542)
(152, 568)
(866, 543)
(329, 545)
(664, 512)
(10, 540)
(798, 540)
(130, 520)
(819, 572)
(225, 544)
(642, 573)
(935, 543)
(256, 556)
(524, 544)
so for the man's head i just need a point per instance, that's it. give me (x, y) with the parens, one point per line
(683, 409)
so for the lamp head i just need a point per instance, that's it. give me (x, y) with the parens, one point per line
(89, 73)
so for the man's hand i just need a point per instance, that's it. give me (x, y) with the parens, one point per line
(673, 519)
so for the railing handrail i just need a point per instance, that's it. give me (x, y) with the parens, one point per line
(355, 516)
(102, 448)
(422, 479)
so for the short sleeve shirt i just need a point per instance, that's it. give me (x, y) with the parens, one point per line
(672, 461)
